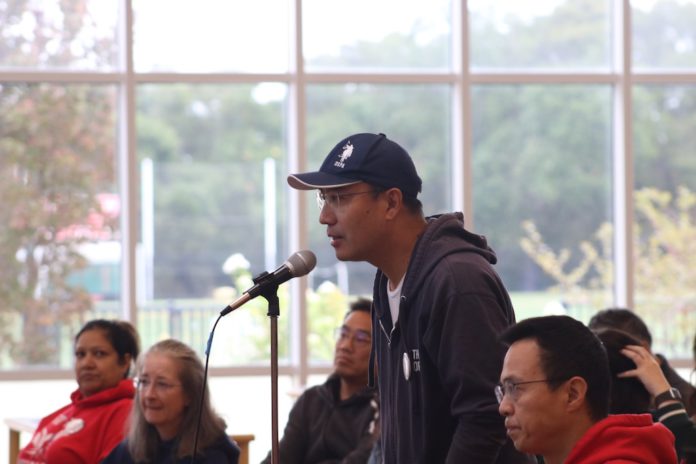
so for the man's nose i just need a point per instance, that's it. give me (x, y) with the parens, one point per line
(346, 343)
(326, 215)
(505, 407)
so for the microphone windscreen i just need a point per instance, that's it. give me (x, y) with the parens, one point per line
(301, 262)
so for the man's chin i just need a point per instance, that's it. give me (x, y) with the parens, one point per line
(345, 372)
(340, 369)
(343, 254)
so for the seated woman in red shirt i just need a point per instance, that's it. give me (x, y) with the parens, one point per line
(94, 422)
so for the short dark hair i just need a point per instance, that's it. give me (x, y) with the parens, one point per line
(361, 304)
(622, 319)
(121, 334)
(413, 205)
(568, 349)
(628, 395)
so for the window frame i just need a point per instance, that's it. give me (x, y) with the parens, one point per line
(622, 78)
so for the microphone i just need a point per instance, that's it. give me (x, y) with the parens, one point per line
(297, 265)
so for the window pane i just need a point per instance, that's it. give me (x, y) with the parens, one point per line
(56, 35)
(365, 34)
(213, 183)
(59, 228)
(542, 193)
(665, 195)
(663, 34)
(211, 36)
(541, 34)
(415, 116)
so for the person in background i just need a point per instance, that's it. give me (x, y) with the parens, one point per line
(554, 393)
(628, 394)
(638, 382)
(335, 422)
(628, 321)
(439, 305)
(165, 414)
(691, 406)
(690, 451)
(87, 429)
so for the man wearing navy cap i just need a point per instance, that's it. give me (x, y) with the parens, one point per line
(439, 305)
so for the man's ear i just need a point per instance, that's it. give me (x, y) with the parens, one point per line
(576, 388)
(395, 201)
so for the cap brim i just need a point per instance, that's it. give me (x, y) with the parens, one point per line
(318, 180)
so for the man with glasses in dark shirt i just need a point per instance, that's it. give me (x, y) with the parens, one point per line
(335, 421)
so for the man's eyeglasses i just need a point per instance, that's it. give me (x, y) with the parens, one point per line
(160, 386)
(360, 337)
(336, 199)
(510, 389)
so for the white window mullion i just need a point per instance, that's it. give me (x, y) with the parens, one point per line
(622, 153)
(127, 172)
(462, 149)
(297, 161)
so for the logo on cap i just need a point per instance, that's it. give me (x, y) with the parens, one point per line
(347, 151)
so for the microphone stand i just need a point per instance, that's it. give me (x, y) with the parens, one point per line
(266, 285)
(271, 295)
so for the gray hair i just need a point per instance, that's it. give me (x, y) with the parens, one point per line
(143, 439)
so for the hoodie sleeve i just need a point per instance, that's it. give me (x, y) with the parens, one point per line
(674, 417)
(685, 388)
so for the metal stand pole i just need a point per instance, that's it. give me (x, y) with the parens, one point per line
(273, 312)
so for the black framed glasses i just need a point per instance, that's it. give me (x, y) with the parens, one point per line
(510, 389)
(360, 337)
(337, 199)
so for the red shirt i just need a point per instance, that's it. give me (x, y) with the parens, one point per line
(625, 438)
(85, 431)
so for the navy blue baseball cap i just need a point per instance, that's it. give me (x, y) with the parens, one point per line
(371, 158)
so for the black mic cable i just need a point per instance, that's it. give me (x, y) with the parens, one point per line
(205, 382)
(297, 265)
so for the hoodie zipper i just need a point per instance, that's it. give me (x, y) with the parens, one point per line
(388, 335)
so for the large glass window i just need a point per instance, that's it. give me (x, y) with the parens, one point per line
(213, 151)
(142, 168)
(542, 193)
(665, 208)
(211, 36)
(554, 34)
(78, 35)
(663, 34)
(59, 232)
(367, 35)
(212, 181)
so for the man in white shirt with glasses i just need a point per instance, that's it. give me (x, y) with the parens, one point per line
(439, 305)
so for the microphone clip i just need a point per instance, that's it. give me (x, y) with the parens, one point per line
(261, 277)
(268, 291)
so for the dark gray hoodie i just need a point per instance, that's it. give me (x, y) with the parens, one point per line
(439, 363)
